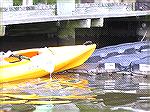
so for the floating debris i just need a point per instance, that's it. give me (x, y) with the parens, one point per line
(47, 102)
(13, 102)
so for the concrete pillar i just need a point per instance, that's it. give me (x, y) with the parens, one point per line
(97, 22)
(66, 30)
(65, 7)
(27, 2)
(85, 23)
(2, 30)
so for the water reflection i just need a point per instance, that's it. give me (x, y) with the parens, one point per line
(77, 92)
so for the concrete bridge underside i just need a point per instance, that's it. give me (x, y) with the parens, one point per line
(66, 21)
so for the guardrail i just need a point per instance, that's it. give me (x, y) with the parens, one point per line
(51, 10)
(43, 12)
(28, 8)
(27, 12)
(83, 6)
(90, 8)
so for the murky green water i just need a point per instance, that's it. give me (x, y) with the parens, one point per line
(77, 93)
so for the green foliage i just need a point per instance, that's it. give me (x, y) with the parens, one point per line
(44, 1)
(51, 1)
(17, 2)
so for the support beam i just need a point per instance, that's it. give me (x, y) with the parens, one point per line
(97, 22)
(85, 23)
(2, 30)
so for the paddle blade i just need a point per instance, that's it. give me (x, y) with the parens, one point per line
(44, 61)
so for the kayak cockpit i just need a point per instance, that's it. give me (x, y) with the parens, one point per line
(17, 57)
(29, 54)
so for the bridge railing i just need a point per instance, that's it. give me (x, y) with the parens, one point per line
(24, 12)
(41, 11)
(82, 8)
(96, 8)
(28, 8)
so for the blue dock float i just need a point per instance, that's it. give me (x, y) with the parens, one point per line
(116, 58)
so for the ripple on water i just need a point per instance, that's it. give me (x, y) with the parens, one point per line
(104, 92)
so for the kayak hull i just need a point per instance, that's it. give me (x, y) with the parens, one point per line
(64, 57)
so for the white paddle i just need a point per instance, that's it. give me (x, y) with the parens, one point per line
(45, 60)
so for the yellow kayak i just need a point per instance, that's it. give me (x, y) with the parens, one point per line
(38, 62)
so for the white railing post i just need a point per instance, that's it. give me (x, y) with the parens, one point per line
(27, 2)
(65, 7)
(6, 3)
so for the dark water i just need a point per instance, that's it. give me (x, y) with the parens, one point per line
(66, 92)
(77, 93)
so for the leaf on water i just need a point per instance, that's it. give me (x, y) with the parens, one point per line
(79, 84)
(4, 98)
(72, 97)
(47, 102)
(33, 96)
(76, 97)
(13, 102)
(22, 108)
(22, 83)
(10, 91)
